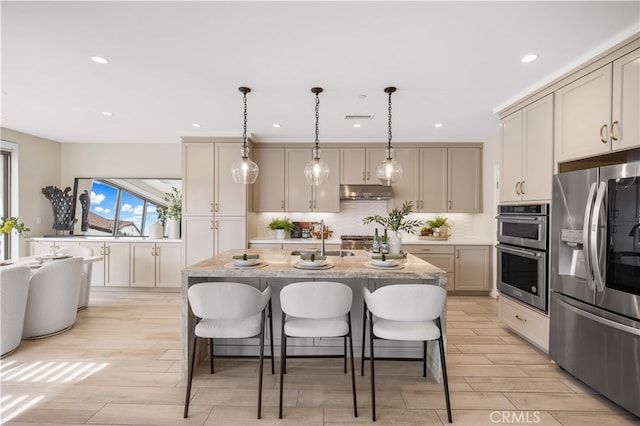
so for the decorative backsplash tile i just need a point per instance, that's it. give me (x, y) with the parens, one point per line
(349, 220)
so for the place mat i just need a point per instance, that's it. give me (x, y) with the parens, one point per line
(232, 265)
(313, 267)
(55, 256)
(383, 268)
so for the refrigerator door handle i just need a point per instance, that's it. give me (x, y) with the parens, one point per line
(585, 236)
(595, 252)
(599, 319)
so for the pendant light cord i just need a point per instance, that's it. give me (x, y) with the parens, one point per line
(317, 118)
(244, 127)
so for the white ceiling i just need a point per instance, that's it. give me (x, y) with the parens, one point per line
(172, 64)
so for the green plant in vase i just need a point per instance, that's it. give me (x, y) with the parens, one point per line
(281, 226)
(396, 221)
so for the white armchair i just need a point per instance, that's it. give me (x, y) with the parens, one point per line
(14, 281)
(52, 303)
(85, 288)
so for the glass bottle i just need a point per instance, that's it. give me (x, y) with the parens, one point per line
(384, 247)
(376, 242)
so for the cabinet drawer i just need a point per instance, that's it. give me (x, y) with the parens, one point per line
(532, 325)
(424, 249)
(442, 261)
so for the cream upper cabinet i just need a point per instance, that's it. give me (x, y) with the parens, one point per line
(408, 188)
(302, 197)
(268, 191)
(197, 178)
(585, 108)
(625, 127)
(433, 180)
(358, 165)
(464, 180)
(230, 196)
(527, 153)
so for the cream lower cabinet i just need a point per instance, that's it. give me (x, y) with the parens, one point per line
(39, 248)
(113, 271)
(529, 323)
(526, 165)
(598, 113)
(468, 267)
(473, 268)
(155, 265)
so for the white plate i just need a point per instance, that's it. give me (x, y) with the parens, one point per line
(389, 263)
(326, 265)
(248, 262)
(317, 263)
(55, 256)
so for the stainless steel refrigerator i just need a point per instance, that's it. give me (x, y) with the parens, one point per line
(595, 279)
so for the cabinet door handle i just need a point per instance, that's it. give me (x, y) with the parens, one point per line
(315, 204)
(157, 251)
(603, 138)
(368, 175)
(217, 225)
(101, 251)
(457, 254)
(364, 176)
(211, 225)
(450, 203)
(520, 319)
(211, 204)
(282, 204)
(216, 208)
(522, 187)
(107, 251)
(613, 127)
(518, 188)
(153, 251)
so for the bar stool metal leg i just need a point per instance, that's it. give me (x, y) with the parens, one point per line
(444, 370)
(364, 334)
(371, 362)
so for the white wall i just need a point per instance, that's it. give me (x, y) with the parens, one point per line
(38, 167)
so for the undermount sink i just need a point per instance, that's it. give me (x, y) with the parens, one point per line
(327, 252)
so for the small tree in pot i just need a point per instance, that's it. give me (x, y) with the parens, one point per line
(281, 226)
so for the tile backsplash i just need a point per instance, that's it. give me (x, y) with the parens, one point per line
(349, 220)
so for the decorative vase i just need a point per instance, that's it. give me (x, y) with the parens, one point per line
(395, 242)
(155, 231)
(280, 234)
(173, 229)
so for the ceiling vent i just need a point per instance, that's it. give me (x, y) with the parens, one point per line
(358, 117)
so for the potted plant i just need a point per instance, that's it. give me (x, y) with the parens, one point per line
(439, 226)
(396, 221)
(281, 226)
(172, 212)
(8, 224)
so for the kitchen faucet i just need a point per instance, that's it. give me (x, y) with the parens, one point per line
(322, 237)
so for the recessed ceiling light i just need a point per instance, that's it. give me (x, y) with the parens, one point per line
(99, 60)
(276, 125)
(362, 96)
(438, 125)
(195, 125)
(356, 125)
(528, 58)
(107, 113)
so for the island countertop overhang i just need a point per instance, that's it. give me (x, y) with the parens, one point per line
(280, 263)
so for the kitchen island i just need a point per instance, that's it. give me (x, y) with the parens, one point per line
(277, 269)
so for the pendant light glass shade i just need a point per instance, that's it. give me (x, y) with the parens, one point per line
(316, 172)
(244, 170)
(389, 171)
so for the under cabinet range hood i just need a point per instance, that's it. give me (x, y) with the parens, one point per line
(366, 192)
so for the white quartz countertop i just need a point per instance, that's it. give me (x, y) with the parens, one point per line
(98, 239)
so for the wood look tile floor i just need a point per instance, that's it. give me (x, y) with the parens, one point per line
(120, 365)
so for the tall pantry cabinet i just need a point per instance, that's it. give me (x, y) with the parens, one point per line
(214, 206)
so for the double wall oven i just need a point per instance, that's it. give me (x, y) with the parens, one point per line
(522, 253)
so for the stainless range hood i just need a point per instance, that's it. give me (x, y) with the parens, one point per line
(366, 192)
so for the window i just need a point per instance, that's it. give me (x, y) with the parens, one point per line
(118, 212)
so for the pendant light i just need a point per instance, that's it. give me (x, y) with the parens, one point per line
(389, 171)
(244, 170)
(316, 171)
